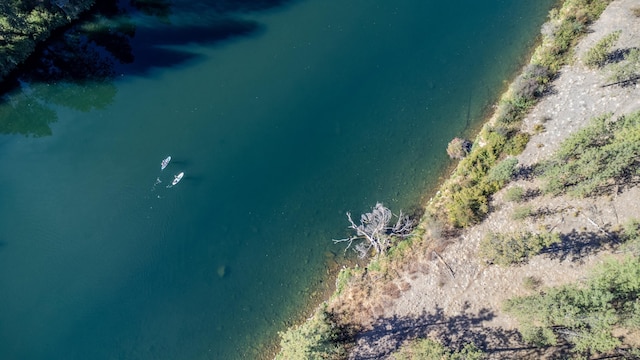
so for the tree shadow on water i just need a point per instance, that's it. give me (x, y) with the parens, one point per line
(116, 38)
(387, 335)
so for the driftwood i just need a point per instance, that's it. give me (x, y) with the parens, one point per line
(375, 229)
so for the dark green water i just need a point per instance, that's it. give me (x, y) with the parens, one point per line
(282, 116)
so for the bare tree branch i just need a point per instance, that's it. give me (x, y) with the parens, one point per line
(375, 230)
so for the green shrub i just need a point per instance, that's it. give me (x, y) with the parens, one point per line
(514, 194)
(598, 55)
(588, 161)
(344, 276)
(514, 248)
(567, 26)
(538, 128)
(522, 212)
(513, 110)
(631, 229)
(315, 339)
(627, 70)
(503, 171)
(427, 349)
(517, 144)
(584, 315)
(469, 205)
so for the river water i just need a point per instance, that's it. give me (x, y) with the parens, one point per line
(282, 115)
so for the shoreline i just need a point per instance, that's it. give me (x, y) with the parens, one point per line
(23, 40)
(407, 286)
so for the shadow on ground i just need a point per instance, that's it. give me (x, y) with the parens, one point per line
(576, 245)
(386, 335)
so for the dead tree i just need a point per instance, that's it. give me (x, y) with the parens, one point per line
(376, 231)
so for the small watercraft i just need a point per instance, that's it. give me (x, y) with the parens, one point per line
(165, 162)
(177, 178)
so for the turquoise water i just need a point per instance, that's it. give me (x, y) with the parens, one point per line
(283, 116)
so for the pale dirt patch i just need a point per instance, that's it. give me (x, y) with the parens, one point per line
(466, 306)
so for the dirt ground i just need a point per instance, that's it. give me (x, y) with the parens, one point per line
(455, 296)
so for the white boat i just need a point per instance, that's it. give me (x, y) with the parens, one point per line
(177, 178)
(165, 162)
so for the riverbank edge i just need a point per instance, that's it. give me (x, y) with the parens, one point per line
(42, 22)
(323, 331)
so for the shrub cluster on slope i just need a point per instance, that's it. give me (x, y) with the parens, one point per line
(585, 316)
(604, 154)
(318, 338)
(514, 248)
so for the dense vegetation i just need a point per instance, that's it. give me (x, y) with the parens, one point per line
(595, 317)
(318, 338)
(24, 23)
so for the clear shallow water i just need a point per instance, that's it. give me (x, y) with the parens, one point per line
(282, 118)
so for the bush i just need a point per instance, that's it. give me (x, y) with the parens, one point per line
(517, 144)
(598, 55)
(584, 315)
(503, 171)
(627, 70)
(532, 83)
(631, 229)
(522, 212)
(514, 110)
(317, 338)
(514, 248)
(564, 29)
(595, 157)
(469, 205)
(427, 349)
(514, 194)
